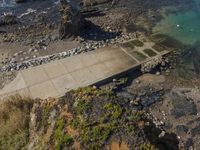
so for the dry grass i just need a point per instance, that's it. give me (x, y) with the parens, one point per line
(14, 121)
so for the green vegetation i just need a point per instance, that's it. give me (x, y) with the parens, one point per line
(149, 52)
(109, 117)
(82, 106)
(137, 43)
(113, 111)
(94, 136)
(14, 122)
(61, 138)
(133, 43)
(158, 47)
(139, 56)
(85, 95)
(45, 115)
(129, 45)
(87, 118)
(14, 141)
(147, 146)
(89, 92)
(75, 123)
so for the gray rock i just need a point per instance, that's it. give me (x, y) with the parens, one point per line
(181, 129)
(126, 95)
(182, 106)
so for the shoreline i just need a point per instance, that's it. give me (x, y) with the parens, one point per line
(160, 92)
(34, 51)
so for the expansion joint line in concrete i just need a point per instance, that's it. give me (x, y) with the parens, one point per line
(129, 54)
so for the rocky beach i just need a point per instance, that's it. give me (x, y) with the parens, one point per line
(154, 107)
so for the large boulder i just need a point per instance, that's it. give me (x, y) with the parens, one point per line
(71, 20)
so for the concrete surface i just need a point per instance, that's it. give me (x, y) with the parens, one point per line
(56, 78)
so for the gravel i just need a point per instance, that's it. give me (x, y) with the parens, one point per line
(26, 62)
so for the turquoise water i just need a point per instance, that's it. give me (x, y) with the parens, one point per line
(184, 26)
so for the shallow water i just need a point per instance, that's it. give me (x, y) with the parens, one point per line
(184, 26)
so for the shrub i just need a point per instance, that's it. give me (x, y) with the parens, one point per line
(114, 111)
(147, 146)
(82, 106)
(93, 137)
(14, 122)
(61, 138)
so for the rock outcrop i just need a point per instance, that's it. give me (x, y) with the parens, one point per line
(71, 19)
(7, 19)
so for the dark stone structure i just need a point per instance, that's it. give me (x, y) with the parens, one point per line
(71, 19)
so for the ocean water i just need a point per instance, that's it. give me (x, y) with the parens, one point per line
(184, 25)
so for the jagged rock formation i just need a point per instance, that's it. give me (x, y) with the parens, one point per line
(71, 19)
(8, 19)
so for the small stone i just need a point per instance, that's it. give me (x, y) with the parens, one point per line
(30, 50)
(94, 87)
(20, 52)
(26, 58)
(114, 80)
(15, 55)
(161, 134)
(35, 50)
(158, 73)
(137, 81)
(44, 47)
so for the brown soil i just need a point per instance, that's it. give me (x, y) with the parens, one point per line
(118, 146)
